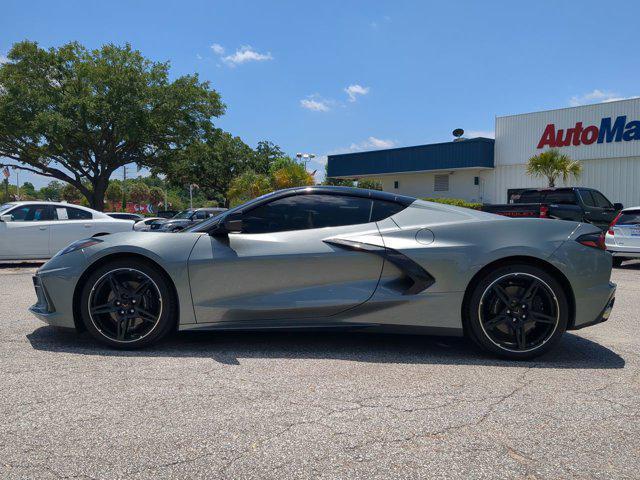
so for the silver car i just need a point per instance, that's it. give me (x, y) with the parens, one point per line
(342, 258)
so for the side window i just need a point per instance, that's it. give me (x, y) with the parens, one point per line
(382, 209)
(77, 214)
(31, 213)
(587, 198)
(532, 196)
(601, 200)
(561, 197)
(302, 212)
(201, 215)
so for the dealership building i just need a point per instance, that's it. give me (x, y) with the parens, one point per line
(604, 137)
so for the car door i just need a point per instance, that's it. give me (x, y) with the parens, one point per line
(27, 234)
(281, 268)
(69, 224)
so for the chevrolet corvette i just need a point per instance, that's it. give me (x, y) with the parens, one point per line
(339, 258)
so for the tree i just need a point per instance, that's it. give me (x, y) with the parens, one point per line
(156, 196)
(288, 173)
(77, 115)
(27, 191)
(52, 191)
(212, 164)
(114, 193)
(70, 193)
(248, 185)
(552, 164)
(138, 192)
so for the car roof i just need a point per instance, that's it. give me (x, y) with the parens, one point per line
(351, 191)
(630, 209)
(58, 204)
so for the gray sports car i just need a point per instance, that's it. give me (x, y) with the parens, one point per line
(318, 257)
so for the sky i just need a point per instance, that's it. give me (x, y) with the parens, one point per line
(339, 76)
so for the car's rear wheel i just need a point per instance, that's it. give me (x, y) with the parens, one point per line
(127, 304)
(517, 311)
(617, 261)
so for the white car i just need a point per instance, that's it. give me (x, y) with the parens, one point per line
(145, 225)
(623, 236)
(38, 230)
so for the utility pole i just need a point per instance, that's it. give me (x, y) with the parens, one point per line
(124, 188)
(17, 183)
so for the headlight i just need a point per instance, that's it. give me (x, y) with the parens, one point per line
(79, 244)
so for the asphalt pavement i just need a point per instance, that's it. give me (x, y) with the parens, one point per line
(309, 405)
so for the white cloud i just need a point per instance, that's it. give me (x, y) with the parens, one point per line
(372, 143)
(246, 54)
(596, 96)
(480, 133)
(354, 90)
(217, 49)
(198, 56)
(3, 59)
(315, 104)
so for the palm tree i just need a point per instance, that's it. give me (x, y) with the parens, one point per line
(553, 164)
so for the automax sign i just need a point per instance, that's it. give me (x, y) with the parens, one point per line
(609, 130)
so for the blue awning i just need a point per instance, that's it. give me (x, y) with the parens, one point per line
(471, 153)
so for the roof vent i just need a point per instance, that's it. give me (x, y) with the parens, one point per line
(458, 132)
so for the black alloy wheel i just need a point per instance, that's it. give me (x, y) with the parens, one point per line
(520, 312)
(127, 304)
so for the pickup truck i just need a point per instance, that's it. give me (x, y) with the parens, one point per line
(568, 203)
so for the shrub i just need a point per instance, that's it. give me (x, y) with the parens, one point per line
(457, 202)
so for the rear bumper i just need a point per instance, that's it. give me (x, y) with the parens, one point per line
(604, 315)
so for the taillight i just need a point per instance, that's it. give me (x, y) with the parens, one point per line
(615, 220)
(594, 240)
(544, 211)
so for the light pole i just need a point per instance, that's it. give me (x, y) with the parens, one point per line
(191, 187)
(305, 157)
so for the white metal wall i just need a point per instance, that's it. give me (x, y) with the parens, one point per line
(517, 136)
(420, 185)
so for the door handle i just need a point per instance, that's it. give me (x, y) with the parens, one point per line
(42, 228)
(87, 225)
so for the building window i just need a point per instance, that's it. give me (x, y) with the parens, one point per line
(396, 184)
(476, 180)
(441, 183)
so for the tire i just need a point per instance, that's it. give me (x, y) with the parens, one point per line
(521, 330)
(617, 261)
(142, 312)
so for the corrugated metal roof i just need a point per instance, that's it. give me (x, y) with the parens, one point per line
(474, 152)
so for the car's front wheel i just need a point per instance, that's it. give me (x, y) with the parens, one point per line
(517, 312)
(127, 304)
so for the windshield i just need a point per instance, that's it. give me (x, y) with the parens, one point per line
(6, 206)
(204, 225)
(184, 214)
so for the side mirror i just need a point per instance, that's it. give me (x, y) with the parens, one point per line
(233, 225)
(6, 218)
(618, 206)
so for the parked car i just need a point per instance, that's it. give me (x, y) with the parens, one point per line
(37, 230)
(579, 204)
(136, 217)
(145, 224)
(185, 219)
(623, 236)
(167, 213)
(343, 258)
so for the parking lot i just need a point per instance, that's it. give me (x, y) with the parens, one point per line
(266, 405)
